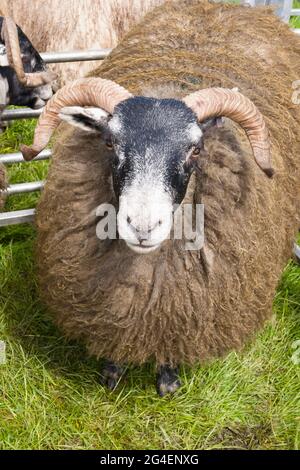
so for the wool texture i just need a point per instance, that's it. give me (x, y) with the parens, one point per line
(174, 305)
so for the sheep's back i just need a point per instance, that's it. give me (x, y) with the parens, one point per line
(175, 305)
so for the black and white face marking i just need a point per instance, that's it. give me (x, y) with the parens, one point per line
(154, 144)
(19, 95)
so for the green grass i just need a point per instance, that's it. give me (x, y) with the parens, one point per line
(49, 392)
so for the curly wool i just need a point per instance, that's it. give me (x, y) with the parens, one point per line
(173, 305)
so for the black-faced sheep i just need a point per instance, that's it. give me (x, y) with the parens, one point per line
(173, 305)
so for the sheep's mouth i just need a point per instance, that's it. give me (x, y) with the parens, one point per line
(142, 249)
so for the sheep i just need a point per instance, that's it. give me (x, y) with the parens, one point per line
(56, 25)
(154, 134)
(24, 80)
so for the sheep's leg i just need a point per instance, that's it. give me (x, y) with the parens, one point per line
(111, 374)
(167, 380)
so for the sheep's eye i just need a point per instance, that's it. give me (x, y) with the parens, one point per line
(193, 154)
(196, 151)
(109, 144)
(25, 58)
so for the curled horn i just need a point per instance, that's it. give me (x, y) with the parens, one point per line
(10, 35)
(214, 102)
(82, 92)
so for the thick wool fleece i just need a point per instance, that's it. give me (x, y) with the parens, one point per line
(172, 305)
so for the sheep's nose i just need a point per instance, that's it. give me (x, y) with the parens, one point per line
(142, 233)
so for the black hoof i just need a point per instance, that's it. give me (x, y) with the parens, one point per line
(111, 374)
(167, 380)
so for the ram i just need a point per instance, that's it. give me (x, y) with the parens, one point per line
(150, 138)
(67, 25)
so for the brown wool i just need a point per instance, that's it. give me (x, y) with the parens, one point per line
(172, 305)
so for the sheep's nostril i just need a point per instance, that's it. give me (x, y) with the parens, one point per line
(159, 222)
(128, 220)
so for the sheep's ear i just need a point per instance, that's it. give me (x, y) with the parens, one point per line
(88, 119)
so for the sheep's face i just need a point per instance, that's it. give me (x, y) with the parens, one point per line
(154, 144)
(37, 97)
(19, 95)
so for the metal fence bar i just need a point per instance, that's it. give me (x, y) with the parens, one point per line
(16, 217)
(24, 187)
(22, 113)
(74, 56)
(295, 12)
(18, 157)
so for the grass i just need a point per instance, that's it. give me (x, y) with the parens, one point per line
(49, 392)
